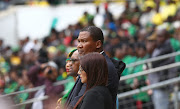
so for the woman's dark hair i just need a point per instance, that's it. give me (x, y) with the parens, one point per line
(95, 32)
(95, 66)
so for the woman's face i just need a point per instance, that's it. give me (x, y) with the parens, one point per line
(82, 75)
(72, 65)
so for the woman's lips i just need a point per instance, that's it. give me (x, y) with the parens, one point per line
(67, 70)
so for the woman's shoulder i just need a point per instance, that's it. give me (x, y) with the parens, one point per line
(97, 98)
(98, 90)
(100, 96)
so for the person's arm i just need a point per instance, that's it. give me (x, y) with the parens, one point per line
(33, 74)
(93, 100)
(53, 90)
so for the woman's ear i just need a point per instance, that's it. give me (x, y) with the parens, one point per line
(98, 44)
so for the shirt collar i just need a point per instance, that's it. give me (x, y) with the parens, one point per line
(101, 52)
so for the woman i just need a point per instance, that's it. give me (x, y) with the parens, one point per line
(72, 67)
(72, 64)
(93, 71)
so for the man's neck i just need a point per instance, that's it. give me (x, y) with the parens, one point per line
(100, 50)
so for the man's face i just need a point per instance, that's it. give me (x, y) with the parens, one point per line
(160, 39)
(150, 46)
(86, 44)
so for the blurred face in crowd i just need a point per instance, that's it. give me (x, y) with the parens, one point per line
(141, 52)
(86, 44)
(13, 75)
(141, 35)
(114, 41)
(118, 53)
(161, 37)
(150, 46)
(124, 49)
(121, 51)
(72, 65)
(130, 51)
(83, 75)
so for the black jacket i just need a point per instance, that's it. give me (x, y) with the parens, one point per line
(96, 98)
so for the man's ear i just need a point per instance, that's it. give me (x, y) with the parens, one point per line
(98, 44)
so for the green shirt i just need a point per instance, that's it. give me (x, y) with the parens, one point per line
(128, 60)
(20, 98)
(11, 88)
(175, 44)
(142, 96)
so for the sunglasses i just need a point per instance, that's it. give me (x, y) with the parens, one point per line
(73, 60)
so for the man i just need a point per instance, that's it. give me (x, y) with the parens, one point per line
(44, 74)
(160, 96)
(91, 39)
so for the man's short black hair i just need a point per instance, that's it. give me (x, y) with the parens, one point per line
(95, 32)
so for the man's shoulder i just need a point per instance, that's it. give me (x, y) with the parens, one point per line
(120, 65)
(116, 65)
(109, 62)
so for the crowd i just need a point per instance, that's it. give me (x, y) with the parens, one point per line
(140, 32)
(5, 4)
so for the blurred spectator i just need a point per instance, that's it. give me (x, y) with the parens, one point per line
(142, 98)
(12, 83)
(98, 18)
(37, 45)
(52, 52)
(45, 74)
(15, 59)
(146, 17)
(141, 35)
(28, 45)
(160, 95)
(86, 19)
(109, 23)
